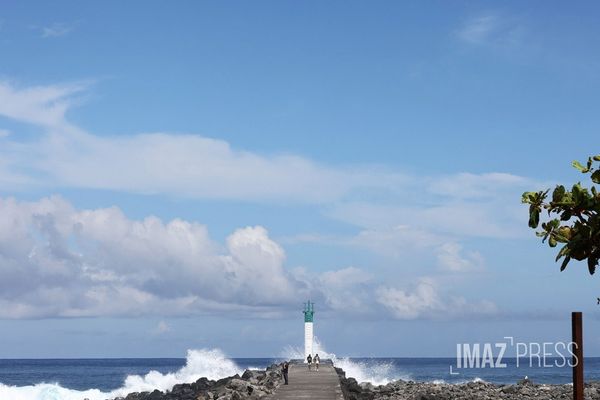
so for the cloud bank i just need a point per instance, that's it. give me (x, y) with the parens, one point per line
(61, 262)
(57, 261)
(424, 301)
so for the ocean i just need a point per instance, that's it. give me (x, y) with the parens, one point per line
(98, 379)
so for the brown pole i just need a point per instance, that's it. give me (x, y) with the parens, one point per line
(577, 325)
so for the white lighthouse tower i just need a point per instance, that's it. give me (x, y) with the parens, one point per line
(309, 313)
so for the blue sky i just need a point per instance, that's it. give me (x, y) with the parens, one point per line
(184, 176)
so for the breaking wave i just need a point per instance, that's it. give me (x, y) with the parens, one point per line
(212, 364)
(375, 372)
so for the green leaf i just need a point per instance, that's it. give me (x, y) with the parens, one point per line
(566, 215)
(579, 210)
(558, 193)
(596, 176)
(577, 165)
(564, 263)
(534, 218)
(563, 252)
(592, 262)
(527, 197)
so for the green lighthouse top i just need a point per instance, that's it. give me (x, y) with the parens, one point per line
(309, 311)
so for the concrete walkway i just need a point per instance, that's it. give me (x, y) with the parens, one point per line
(305, 384)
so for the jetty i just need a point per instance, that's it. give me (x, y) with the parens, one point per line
(323, 384)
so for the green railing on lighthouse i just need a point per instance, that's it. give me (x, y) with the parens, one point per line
(309, 311)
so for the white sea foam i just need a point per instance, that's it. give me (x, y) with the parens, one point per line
(376, 373)
(379, 373)
(460, 382)
(212, 364)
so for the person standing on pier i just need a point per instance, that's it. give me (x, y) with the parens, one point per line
(284, 371)
(309, 360)
(316, 360)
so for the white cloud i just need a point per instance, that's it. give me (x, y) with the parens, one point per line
(393, 241)
(99, 262)
(451, 257)
(198, 167)
(396, 241)
(478, 29)
(58, 261)
(345, 277)
(435, 207)
(476, 186)
(347, 290)
(181, 165)
(425, 302)
(4, 133)
(407, 244)
(56, 29)
(500, 218)
(491, 28)
(39, 105)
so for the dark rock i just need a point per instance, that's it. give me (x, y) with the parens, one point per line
(253, 384)
(202, 384)
(465, 391)
(155, 395)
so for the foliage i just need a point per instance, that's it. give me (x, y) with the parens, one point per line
(574, 217)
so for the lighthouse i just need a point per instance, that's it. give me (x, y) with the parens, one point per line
(309, 312)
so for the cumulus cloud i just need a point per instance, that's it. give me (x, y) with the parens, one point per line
(451, 257)
(347, 289)
(344, 291)
(425, 302)
(59, 261)
(99, 262)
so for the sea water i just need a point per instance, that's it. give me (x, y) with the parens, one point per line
(99, 379)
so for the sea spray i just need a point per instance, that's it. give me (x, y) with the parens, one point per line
(47, 391)
(375, 372)
(212, 364)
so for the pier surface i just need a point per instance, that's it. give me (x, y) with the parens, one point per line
(304, 384)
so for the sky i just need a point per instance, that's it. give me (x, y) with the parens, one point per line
(185, 175)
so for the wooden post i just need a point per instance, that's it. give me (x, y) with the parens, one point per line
(576, 323)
